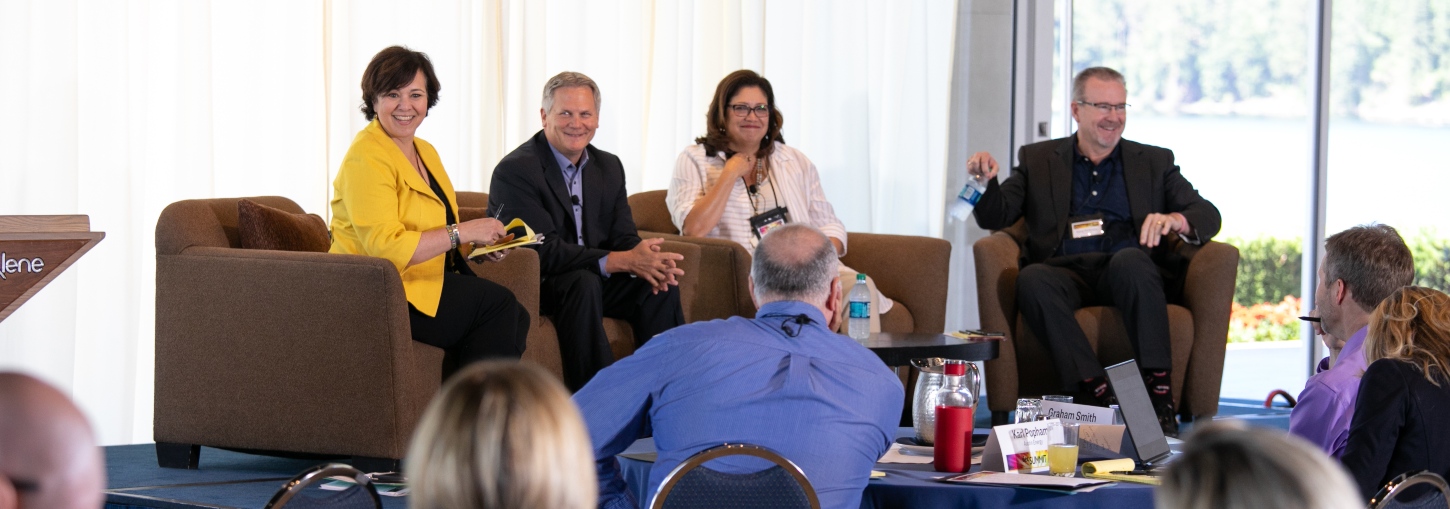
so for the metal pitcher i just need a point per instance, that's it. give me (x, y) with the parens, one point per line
(924, 399)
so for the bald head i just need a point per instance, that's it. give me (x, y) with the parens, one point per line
(48, 455)
(793, 262)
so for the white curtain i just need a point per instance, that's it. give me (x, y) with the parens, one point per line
(116, 109)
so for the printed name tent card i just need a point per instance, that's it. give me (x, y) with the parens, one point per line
(1021, 447)
(1081, 414)
(36, 249)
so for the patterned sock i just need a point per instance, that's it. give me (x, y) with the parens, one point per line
(1159, 384)
(1097, 386)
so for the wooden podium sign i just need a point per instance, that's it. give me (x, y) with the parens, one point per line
(36, 249)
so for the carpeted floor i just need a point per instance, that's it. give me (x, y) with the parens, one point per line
(231, 480)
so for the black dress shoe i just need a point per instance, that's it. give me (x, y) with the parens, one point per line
(1167, 417)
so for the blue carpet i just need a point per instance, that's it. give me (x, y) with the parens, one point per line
(224, 480)
(232, 480)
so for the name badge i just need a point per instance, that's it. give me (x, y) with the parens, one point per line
(763, 223)
(1087, 228)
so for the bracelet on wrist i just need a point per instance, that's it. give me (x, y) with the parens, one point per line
(453, 235)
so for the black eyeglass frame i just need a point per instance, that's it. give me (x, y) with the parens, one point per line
(1107, 107)
(761, 111)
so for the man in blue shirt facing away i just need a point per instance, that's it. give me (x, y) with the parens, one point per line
(782, 380)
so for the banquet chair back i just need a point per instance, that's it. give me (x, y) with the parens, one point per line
(693, 485)
(304, 492)
(1413, 490)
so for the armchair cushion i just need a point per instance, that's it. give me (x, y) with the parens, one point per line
(263, 227)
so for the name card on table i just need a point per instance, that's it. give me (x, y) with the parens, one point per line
(1103, 441)
(1021, 447)
(1081, 414)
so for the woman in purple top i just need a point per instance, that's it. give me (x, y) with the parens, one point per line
(1399, 423)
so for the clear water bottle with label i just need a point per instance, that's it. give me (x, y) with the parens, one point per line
(967, 199)
(859, 310)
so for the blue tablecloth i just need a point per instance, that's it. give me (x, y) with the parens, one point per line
(912, 486)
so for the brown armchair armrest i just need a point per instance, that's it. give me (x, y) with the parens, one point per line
(1208, 292)
(254, 340)
(996, 261)
(722, 284)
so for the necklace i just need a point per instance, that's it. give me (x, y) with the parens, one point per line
(759, 171)
(417, 162)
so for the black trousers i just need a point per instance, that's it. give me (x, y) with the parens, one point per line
(477, 319)
(1049, 293)
(579, 300)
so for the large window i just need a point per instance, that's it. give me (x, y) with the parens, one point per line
(1390, 119)
(1227, 84)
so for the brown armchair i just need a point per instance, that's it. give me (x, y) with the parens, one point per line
(299, 352)
(1198, 327)
(911, 270)
(302, 352)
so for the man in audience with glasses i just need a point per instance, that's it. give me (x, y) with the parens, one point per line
(48, 455)
(1099, 211)
(782, 380)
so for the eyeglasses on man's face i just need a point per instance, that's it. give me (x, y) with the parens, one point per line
(741, 110)
(1106, 107)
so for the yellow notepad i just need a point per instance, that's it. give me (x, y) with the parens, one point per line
(1105, 470)
(529, 238)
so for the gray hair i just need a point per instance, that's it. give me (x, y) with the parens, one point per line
(1079, 82)
(1372, 260)
(794, 262)
(1231, 465)
(569, 79)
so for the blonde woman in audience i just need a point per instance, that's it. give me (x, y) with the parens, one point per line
(501, 435)
(1229, 465)
(1398, 423)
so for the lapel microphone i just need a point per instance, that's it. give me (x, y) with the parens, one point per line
(574, 199)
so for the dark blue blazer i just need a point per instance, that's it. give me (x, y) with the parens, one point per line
(529, 184)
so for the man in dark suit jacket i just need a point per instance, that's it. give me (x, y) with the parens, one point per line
(592, 259)
(1097, 209)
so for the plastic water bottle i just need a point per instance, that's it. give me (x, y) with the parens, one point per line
(859, 310)
(967, 199)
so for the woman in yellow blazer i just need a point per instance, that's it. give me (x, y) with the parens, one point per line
(393, 200)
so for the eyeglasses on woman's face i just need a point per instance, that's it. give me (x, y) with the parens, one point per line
(741, 110)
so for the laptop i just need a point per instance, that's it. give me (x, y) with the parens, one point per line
(1151, 447)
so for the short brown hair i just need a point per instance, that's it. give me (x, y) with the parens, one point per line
(1079, 82)
(391, 69)
(715, 138)
(1412, 325)
(1371, 259)
(503, 435)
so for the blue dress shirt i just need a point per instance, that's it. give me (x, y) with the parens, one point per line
(820, 399)
(573, 178)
